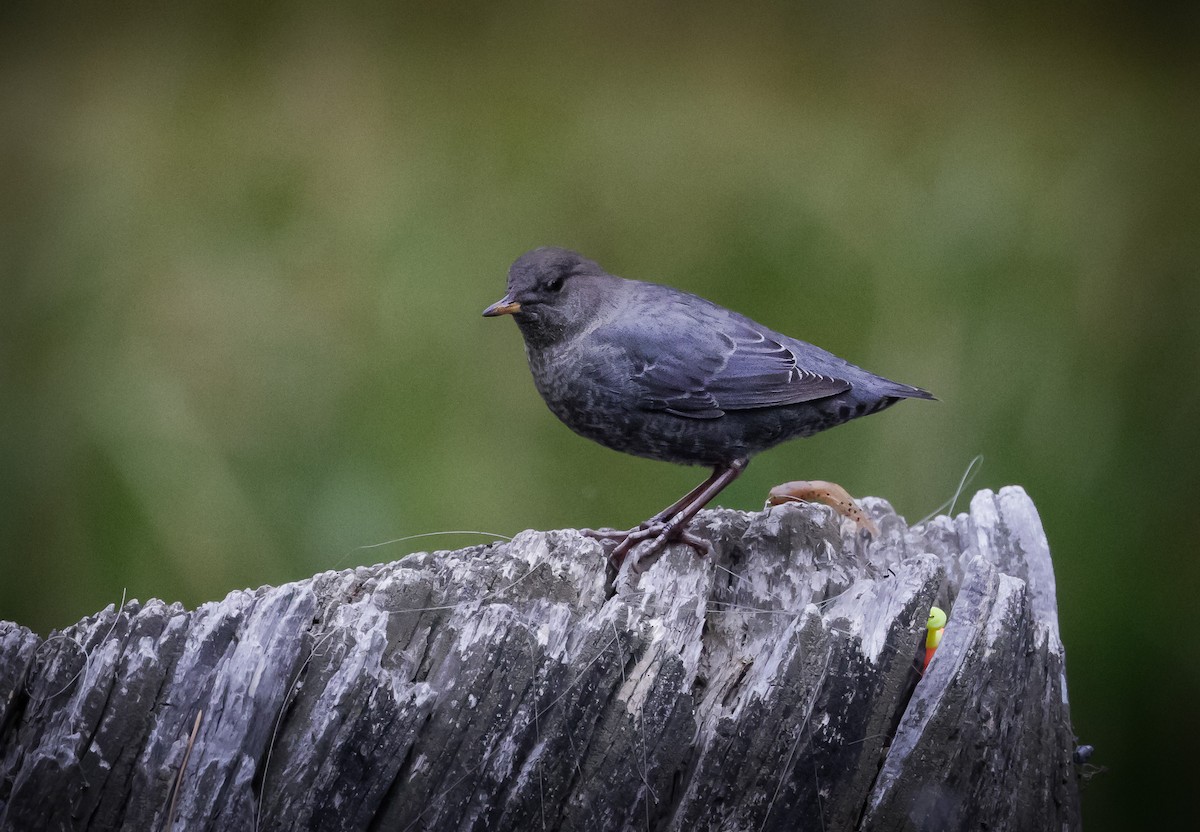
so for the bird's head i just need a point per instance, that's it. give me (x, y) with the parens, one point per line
(552, 294)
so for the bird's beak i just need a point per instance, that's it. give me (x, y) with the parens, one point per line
(504, 306)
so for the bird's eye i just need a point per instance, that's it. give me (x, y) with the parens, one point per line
(554, 285)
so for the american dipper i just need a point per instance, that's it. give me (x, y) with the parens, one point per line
(664, 374)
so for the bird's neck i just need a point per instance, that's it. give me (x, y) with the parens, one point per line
(541, 333)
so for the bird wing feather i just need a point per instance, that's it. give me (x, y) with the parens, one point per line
(709, 361)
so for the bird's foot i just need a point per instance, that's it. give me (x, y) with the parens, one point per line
(608, 534)
(829, 493)
(667, 534)
(659, 533)
(619, 534)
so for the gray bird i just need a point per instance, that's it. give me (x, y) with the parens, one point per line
(664, 374)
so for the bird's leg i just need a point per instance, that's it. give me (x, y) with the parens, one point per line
(829, 493)
(665, 514)
(671, 510)
(669, 530)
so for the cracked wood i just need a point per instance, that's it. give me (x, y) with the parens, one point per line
(772, 686)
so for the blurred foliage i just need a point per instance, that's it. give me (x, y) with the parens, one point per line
(245, 247)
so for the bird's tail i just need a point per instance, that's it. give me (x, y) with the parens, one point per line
(907, 391)
(895, 390)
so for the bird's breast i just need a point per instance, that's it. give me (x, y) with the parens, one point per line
(583, 387)
(592, 391)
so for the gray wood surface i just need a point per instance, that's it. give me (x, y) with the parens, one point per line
(773, 686)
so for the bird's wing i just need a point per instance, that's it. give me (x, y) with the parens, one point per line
(701, 361)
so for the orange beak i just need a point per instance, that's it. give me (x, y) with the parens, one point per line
(504, 306)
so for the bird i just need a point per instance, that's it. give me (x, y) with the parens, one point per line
(664, 374)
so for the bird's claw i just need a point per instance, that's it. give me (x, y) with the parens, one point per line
(605, 534)
(702, 547)
(660, 534)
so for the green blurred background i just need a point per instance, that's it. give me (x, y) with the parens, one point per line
(244, 249)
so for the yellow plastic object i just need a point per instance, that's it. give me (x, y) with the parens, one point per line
(935, 626)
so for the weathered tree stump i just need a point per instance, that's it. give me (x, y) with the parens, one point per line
(773, 686)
